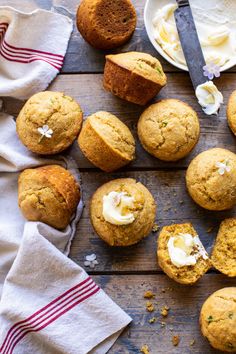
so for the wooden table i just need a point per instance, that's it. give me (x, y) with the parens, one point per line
(126, 273)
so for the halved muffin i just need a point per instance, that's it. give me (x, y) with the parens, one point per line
(181, 254)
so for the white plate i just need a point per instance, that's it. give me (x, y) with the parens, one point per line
(151, 7)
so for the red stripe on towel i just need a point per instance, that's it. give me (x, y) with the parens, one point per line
(70, 294)
(26, 55)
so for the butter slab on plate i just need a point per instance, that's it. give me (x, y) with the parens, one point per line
(214, 10)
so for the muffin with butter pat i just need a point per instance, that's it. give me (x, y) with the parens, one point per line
(181, 254)
(122, 212)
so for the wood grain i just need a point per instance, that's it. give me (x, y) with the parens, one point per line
(173, 206)
(184, 302)
(88, 91)
(81, 57)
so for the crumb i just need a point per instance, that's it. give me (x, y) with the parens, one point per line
(210, 229)
(149, 306)
(175, 340)
(163, 324)
(192, 342)
(167, 208)
(171, 329)
(175, 210)
(175, 194)
(152, 320)
(181, 202)
(165, 311)
(155, 228)
(148, 294)
(144, 349)
(163, 290)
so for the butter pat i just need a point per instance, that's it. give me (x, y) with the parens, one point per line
(209, 97)
(185, 250)
(116, 208)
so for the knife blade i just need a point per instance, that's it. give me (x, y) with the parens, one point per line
(190, 42)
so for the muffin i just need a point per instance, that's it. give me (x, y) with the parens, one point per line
(231, 112)
(211, 179)
(106, 141)
(49, 194)
(122, 212)
(106, 24)
(224, 251)
(218, 319)
(49, 122)
(136, 77)
(169, 129)
(181, 254)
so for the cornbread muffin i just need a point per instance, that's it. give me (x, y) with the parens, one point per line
(49, 194)
(231, 112)
(134, 76)
(224, 251)
(142, 212)
(218, 319)
(106, 141)
(49, 122)
(169, 129)
(106, 24)
(186, 274)
(211, 179)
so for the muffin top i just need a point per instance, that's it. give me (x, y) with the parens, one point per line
(169, 129)
(224, 251)
(122, 212)
(211, 179)
(49, 122)
(181, 254)
(141, 64)
(231, 112)
(113, 132)
(49, 194)
(218, 319)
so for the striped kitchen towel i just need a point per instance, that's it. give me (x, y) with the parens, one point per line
(32, 50)
(48, 304)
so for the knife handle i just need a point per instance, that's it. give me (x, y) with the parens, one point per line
(182, 3)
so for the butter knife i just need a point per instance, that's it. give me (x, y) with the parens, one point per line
(190, 42)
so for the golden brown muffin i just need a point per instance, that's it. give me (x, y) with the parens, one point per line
(169, 129)
(231, 112)
(143, 211)
(187, 274)
(106, 141)
(211, 179)
(49, 194)
(224, 251)
(106, 24)
(218, 319)
(49, 122)
(134, 76)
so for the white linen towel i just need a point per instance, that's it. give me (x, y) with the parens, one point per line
(48, 303)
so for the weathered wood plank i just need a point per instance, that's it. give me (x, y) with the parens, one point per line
(184, 302)
(81, 57)
(88, 91)
(173, 206)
